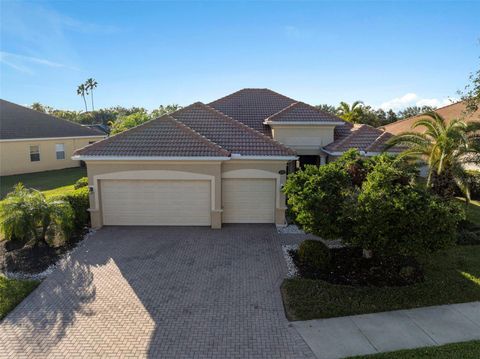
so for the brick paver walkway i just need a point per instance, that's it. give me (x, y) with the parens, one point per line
(160, 292)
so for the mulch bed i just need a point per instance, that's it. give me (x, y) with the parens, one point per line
(349, 267)
(32, 259)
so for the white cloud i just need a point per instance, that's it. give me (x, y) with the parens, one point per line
(24, 63)
(412, 99)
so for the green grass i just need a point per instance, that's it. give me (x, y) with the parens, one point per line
(43, 181)
(473, 212)
(465, 350)
(451, 276)
(12, 292)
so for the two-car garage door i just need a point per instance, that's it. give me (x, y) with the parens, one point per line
(156, 202)
(186, 202)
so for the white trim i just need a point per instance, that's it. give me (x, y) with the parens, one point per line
(236, 156)
(51, 138)
(147, 158)
(362, 153)
(151, 175)
(303, 123)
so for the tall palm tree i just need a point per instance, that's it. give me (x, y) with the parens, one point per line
(82, 90)
(91, 84)
(350, 113)
(448, 148)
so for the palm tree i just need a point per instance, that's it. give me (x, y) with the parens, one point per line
(91, 84)
(27, 215)
(448, 148)
(82, 90)
(350, 113)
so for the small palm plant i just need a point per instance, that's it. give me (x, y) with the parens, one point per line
(448, 148)
(26, 215)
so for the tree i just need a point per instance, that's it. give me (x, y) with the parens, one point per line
(394, 216)
(90, 85)
(126, 122)
(350, 113)
(327, 108)
(471, 93)
(412, 111)
(163, 110)
(37, 106)
(27, 215)
(447, 147)
(82, 90)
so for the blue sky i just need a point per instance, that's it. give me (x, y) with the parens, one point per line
(389, 54)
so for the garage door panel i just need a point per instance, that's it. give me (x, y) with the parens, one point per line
(248, 200)
(139, 202)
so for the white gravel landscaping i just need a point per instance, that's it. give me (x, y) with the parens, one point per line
(292, 270)
(290, 229)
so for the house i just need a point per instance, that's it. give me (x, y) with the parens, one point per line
(222, 162)
(33, 141)
(456, 110)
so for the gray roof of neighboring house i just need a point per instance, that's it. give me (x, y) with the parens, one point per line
(302, 112)
(18, 122)
(362, 137)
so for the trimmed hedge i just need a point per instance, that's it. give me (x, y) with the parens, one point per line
(79, 201)
(82, 182)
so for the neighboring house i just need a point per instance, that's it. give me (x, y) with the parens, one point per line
(32, 141)
(99, 127)
(456, 110)
(224, 162)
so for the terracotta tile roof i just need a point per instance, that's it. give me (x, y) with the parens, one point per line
(162, 137)
(300, 111)
(362, 137)
(252, 106)
(229, 133)
(21, 122)
(450, 112)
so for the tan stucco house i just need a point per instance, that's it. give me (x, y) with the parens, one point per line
(33, 141)
(209, 164)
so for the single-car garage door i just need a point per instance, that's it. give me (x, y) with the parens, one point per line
(155, 202)
(248, 200)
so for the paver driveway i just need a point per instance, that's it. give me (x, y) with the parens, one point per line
(166, 292)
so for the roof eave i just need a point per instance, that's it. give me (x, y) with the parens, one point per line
(303, 123)
(148, 158)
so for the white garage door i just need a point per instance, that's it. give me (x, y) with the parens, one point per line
(155, 203)
(248, 200)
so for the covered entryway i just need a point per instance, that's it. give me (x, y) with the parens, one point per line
(156, 202)
(247, 200)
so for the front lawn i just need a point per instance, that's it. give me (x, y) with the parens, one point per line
(451, 276)
(465, 350)
(12, 292)
(473, 212)
(43, 181)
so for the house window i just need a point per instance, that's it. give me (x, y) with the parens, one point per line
(34, 153)
(60, 151)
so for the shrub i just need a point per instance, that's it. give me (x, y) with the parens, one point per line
(27, 215)
(393, 216)
(79, 201)
(316, 197)
(82, 182)
(315, 255)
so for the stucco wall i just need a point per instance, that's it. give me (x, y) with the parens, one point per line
(305, 139)
(15, 155)
(139, 169)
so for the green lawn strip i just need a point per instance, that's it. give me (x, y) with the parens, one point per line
(452, 276)
(43, 181)
(12, 292)
(465, 350)
(473, 213)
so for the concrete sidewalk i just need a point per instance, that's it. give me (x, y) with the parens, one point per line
(382, 332)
